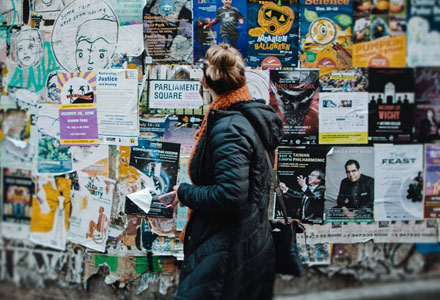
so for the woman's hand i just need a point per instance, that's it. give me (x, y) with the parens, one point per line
(176, 198)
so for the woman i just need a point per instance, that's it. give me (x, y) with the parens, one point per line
(429, 127)
(228, 245)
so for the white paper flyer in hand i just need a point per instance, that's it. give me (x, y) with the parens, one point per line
(142, 199)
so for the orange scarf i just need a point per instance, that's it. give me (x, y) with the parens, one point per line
(223, 102)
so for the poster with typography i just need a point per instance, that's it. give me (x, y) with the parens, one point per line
(399, 182)
(343, 118)
(343, 80)
(91, 208)
(117, 102)
(301, 171)
(391, 104)
(181, 130)
(379, 29)
(273, 28)
(349, 184)
(431, 186)
(427, 112)
(295, 97)
(219, 21)
(168, 31)
(175, 90)
(18, 191)
(78, 115)
(159, 161)
(325, 33)
(423, 33)
(50, 212)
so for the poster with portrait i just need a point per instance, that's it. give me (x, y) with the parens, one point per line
(301, 171)
(427, 112)
(18, 192)
(391, 104)
(325, 34)
(159, 162)
(219, 21)
(349, 184)
(399, 182)
(295, 97)
(168, 31)
(431, 185)
(91, 208)
(273, 29)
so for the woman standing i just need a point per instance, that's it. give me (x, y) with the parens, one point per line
(228, 247)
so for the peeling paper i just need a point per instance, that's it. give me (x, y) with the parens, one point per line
(142, 199)
(146, 280)
(163, 226)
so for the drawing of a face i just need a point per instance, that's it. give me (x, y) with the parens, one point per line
(52, 91)
(91, 56)
(95, 44)
(28, 48)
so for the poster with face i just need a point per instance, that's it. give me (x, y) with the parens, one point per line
(85, 36)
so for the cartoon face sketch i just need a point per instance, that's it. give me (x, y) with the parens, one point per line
(28, 48)
(85, 39)
(94, 47)
(51, 85)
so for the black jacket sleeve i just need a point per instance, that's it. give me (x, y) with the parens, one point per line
(231, 154)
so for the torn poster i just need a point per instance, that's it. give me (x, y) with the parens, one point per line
(399, 182)
(91, 208)
(18, 193)
(50, 212)
(431, 195)
(117, 124)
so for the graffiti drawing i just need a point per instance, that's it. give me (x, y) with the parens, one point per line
(48, 5)
(85, 36)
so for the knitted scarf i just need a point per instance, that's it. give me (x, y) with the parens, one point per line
(223, 102)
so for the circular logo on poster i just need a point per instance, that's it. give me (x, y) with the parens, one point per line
(271, 62)
(166, 7)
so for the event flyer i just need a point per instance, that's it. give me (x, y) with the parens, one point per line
(343, 118)
(295, 97)
(379, 29)
(399, 182)
(118, 115)
(427, 112)
(91, 207)
(431, 195)
(423, 33)
(325, 32)
(18, 191)
(302, 181)
(349, 184)
(343, 80)
(174, 94)
(78, 116)
(168, 32)
(159, 161)
(273, 33)
(391, 104)
(216, 22)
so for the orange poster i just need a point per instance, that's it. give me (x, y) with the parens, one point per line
(382, 53)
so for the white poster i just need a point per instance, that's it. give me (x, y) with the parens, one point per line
(118, 116)
(91, 208)
(343, 118)
(398, 182)
(174, 94)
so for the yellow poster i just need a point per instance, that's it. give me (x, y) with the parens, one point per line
(384, 53)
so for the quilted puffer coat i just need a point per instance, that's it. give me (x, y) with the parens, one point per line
(228, 247)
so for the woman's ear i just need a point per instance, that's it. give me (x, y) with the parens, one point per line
(203, 82)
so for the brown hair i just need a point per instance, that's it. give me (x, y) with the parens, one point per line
(224, 69)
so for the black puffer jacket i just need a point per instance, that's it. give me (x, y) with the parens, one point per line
(228, 248)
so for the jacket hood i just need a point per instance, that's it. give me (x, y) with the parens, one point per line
(263, 118)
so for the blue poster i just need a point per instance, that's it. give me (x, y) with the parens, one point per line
(216, 22)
